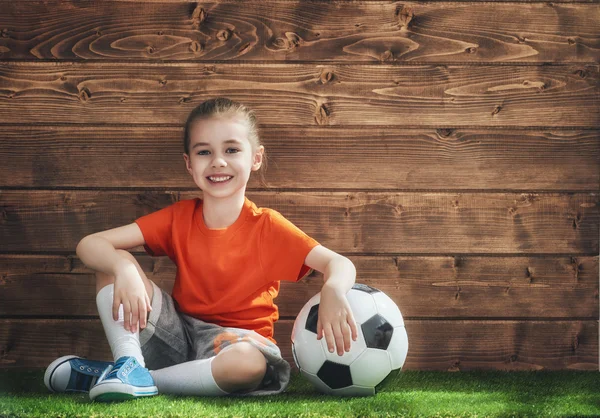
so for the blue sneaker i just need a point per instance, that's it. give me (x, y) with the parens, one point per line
(127, 379)
(73, 374)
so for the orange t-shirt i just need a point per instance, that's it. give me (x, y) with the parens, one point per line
(228, 276)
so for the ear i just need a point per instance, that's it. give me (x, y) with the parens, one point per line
(188, 167)
(258, 158)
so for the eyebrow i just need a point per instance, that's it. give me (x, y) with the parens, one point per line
(229, 141)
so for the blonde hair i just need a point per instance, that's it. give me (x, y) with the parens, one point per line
(226, 108)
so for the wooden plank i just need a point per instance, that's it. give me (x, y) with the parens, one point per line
(423, 287)
(433, 345)
(415, 223)
(324, 31)
(295, 94)
(407, 159)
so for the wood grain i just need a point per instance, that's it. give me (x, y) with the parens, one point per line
(423, 287)
(303, 157)
(433, 345)
(415, 223)
(301, 31)
(295, 94)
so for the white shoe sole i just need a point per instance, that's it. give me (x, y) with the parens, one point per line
(116, 391)
(52, 367)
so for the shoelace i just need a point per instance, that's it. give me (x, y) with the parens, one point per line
(116, 368)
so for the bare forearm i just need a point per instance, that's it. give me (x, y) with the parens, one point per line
(98, 254)
(339, 275)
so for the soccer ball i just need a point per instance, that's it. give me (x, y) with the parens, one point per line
(379, 351)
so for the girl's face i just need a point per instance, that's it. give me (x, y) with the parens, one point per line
(221, 156)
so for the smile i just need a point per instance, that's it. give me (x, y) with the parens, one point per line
(219, 179)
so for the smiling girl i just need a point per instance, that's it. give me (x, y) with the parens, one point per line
(213, 335)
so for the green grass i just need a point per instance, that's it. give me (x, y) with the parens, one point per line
(419, 394)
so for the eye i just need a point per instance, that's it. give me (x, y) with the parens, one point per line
(203, 152)
(235, 150)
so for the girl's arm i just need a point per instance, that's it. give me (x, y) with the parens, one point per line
(336, 321)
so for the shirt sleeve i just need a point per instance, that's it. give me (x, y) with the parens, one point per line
(284, 249)
(157, 230)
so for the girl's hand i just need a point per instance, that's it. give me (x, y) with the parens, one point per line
(131, 293)
(336, 321)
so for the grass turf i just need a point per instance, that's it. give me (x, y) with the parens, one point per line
(411, 393)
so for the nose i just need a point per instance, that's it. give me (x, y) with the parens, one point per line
(218, 161)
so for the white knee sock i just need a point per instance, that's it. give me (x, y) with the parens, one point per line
(122, 342)
(192, 378)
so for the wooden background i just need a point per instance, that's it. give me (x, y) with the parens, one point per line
(450, 150)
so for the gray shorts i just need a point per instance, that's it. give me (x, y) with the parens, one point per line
(172, 337)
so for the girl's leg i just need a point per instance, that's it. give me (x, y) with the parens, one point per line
(122, 342)
(238, 368)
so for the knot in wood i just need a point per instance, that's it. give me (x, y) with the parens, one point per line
(405, 15)
(322, 116)
(326, 77)
(496, 110)
(98, 33)
(63, 78)
(162, 82)
(150, 49)
(4, 33)
(224, 34)
(185, 100)
(471, 50)
(293, 39)
(575, 342)
(198, 16)
(571, 41)
(456, 262)
(195, 46)
(84, 94)
(444, 132)
(576, 221)
(290, 41)
(387, 56)
(160, 33)
(581, 73)
(529, 274)
(243, 49)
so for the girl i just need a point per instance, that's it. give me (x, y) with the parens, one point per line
(214, 334)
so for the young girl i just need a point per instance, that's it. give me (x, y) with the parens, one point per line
(214, 334)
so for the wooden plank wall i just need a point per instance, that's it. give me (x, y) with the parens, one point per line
(450, 149)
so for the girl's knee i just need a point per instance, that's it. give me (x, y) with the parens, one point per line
(241, 364)
(103, 279)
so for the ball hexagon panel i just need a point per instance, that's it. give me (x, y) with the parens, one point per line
(398, 348)
(356, 348)
(347, 391)
(312, 319)
(365, 288)
(363, 305)
(312, 378)
(388, 309)
(370, 368)
(308, 355)
(378, 332)
(335, 375)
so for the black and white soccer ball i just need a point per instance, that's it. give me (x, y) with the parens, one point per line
(379, 351)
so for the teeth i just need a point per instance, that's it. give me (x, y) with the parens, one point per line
(218, 179)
